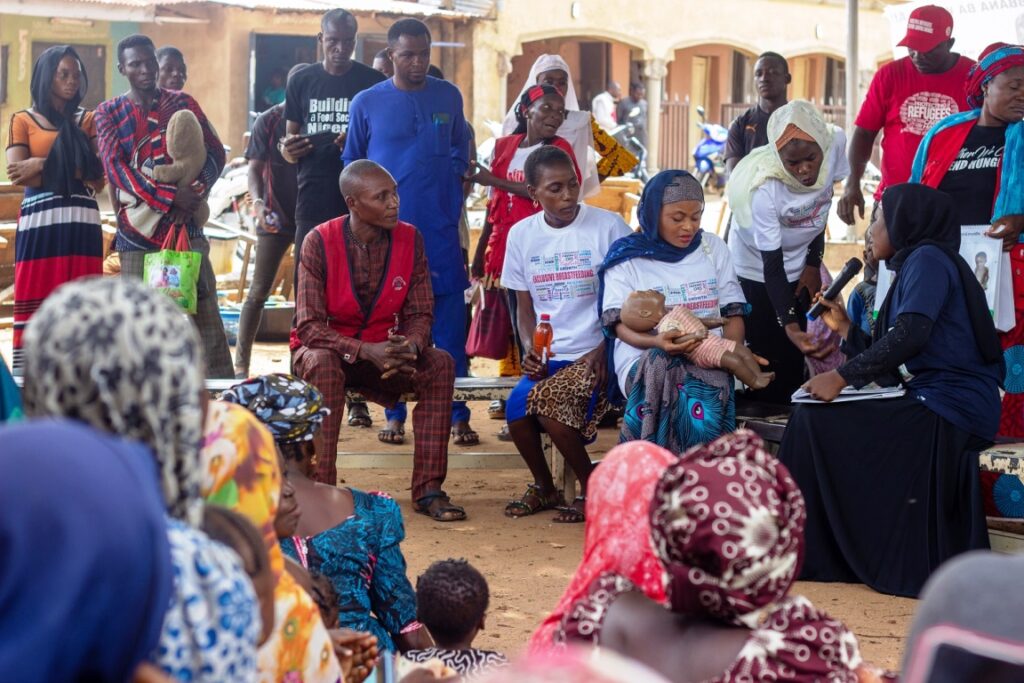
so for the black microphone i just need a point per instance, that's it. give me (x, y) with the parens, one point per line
(851, 268)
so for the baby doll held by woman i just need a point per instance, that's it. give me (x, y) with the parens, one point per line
(644, 311)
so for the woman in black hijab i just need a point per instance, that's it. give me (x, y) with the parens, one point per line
(52, 154)
(892, 485)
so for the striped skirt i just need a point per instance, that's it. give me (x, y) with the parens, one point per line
(59, 239)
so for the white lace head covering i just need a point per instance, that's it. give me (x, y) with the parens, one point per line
(576, 128)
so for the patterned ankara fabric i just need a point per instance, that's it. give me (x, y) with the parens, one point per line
(727, 523)
(616, 538)
(241, 472)
(676, 404)
(290, 407)
(1002, 480)
(213, 624)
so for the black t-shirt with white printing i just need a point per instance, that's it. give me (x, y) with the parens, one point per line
(971, 178)
(320, 102)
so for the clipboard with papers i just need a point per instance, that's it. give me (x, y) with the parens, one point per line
(871, 392)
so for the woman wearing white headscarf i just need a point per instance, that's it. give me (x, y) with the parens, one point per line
(588, 140)
(780, 195)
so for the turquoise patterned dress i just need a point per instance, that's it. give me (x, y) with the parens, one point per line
(362, 558)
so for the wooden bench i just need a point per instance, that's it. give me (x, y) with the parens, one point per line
(466, 389)
(1002, 489)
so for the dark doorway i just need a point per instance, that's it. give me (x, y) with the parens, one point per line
(270, 58)
(368, 46)
(94, 59)
(594, 70)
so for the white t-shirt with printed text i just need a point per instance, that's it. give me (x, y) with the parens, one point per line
(517, 165)
(704, 282)
(787, 219)
(558, 267)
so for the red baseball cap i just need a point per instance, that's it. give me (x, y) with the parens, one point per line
(927, 27)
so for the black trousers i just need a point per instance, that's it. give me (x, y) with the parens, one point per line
(270, 249)
(768, 339)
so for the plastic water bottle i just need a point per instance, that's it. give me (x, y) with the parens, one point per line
(542, 338)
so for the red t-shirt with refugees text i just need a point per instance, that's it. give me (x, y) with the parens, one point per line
(904, 104)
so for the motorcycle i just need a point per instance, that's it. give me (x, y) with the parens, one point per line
(229, 196)
(625, 135)
(709, 154)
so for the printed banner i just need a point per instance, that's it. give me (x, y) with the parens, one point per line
(976, 23)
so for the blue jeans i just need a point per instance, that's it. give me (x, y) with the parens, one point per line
(449, 334)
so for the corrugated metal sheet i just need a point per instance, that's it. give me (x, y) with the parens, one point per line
(479, 8)
(396, 7)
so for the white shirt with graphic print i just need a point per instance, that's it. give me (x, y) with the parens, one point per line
(558, 267)
(786, 219)
(704, 282)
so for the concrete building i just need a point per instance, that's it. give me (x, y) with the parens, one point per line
(687, 52)
(232, 48)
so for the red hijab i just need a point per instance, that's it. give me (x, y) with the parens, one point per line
(618, 530)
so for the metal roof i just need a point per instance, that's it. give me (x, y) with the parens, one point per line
(460, 9)
(479, 8)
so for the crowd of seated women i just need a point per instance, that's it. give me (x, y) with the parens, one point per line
(159, 536)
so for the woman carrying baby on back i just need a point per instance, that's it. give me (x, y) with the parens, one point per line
(677, 394)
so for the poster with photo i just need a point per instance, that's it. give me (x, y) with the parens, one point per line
(982, 255)
(991, 267)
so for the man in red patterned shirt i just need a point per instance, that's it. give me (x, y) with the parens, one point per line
(364, 310)
(130, 134)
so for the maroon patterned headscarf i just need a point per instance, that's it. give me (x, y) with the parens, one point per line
(727, 521)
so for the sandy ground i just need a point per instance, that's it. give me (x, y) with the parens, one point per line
(528, 562)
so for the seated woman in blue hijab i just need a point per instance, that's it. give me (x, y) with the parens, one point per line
(892, 485)
(671, 401)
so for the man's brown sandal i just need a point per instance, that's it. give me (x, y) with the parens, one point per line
(446, 511)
